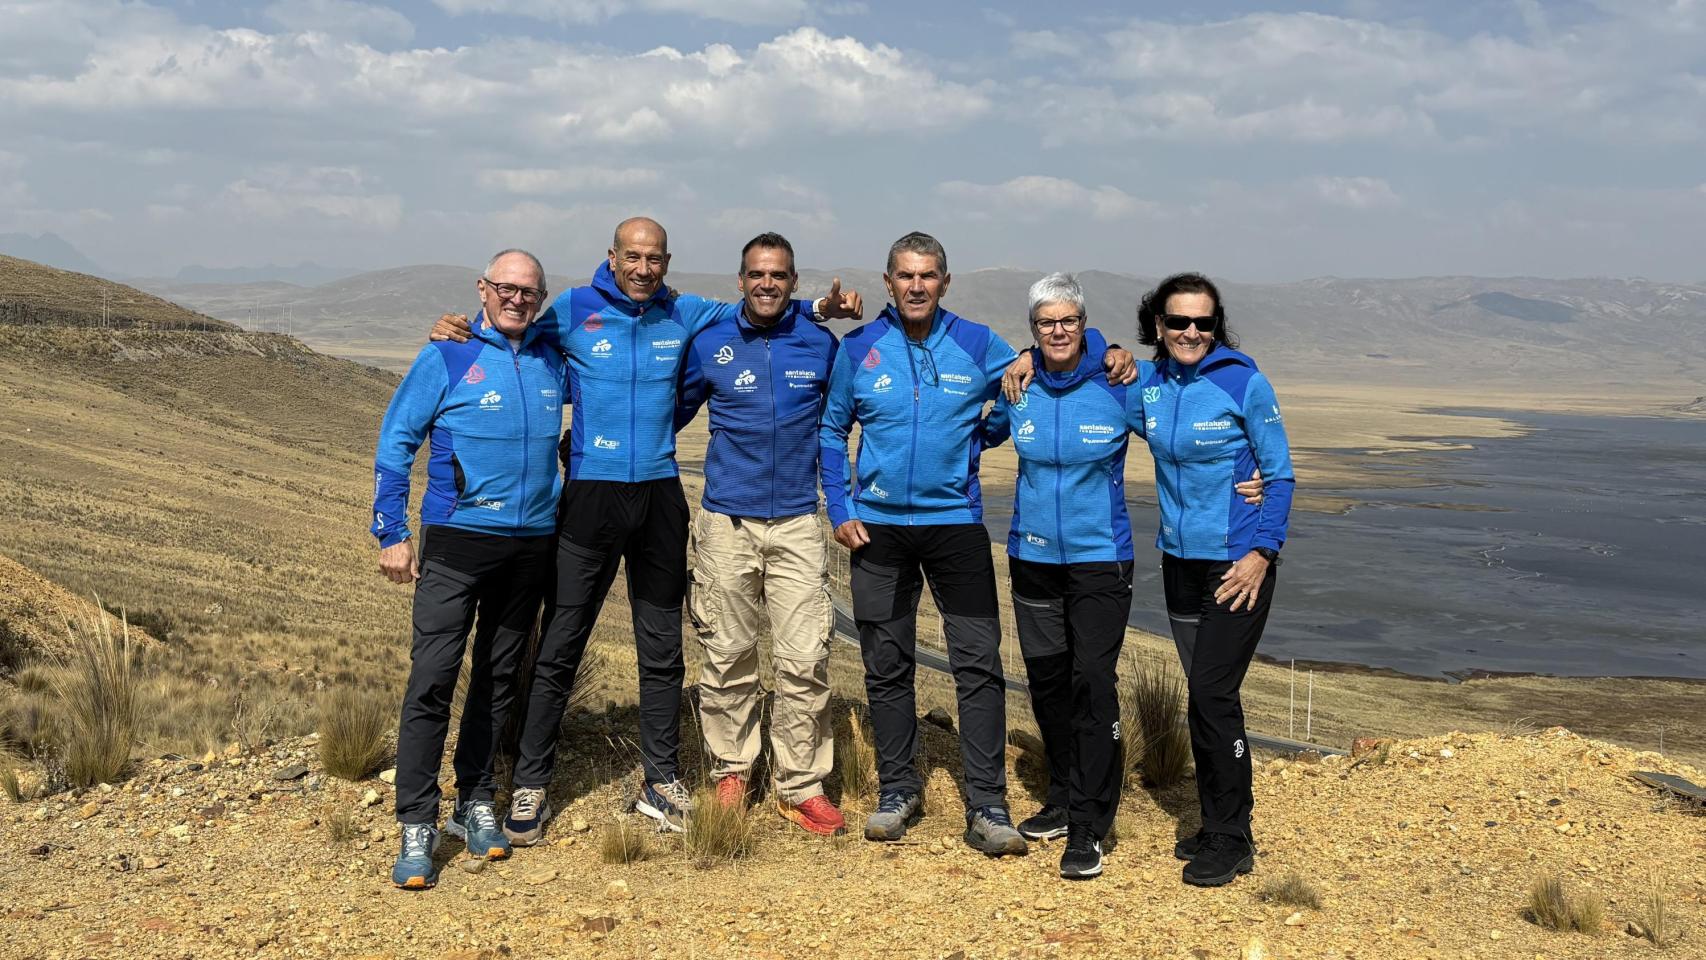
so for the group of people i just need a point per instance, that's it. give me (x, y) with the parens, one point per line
(502, 529)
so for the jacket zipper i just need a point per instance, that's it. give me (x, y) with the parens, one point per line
(912, 371)
(1059, 525)
(526, 434)
(1178, 469)
(770, 369)
(633, 387)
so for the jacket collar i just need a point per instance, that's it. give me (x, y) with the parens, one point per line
(486, 332)
(604, 281)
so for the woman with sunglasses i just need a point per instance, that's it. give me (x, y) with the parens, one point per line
(1209, 416)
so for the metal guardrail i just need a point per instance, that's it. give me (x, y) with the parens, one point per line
(847, 630)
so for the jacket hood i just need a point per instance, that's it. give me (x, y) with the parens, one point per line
(1089, 363)
(604, 281)
(1220, 356)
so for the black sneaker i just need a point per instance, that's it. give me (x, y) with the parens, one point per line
(1045, 824)
(1219, 861)
(1187, 848)
(1083, 857)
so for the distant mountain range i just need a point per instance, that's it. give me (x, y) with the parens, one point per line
(1500, 333)
(49, 249)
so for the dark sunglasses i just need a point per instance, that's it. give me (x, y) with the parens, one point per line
(1175, 321)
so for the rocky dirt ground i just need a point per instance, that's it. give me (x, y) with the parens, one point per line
(1419, 849)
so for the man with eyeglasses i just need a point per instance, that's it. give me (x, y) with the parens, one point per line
(916, 380)
(624, 336)
(492, 407)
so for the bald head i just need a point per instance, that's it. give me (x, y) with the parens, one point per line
(639, 257)
(637, 229)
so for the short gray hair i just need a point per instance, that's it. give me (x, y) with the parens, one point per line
(920, 243)
(516, 252)
(1057, 288)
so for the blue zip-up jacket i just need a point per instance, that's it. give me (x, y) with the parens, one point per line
(624, 362)
(1070, 432)
(493, 414)
(766, 387)
(918, 406)
(1208, 427)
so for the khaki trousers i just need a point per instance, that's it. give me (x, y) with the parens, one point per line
(749, 575)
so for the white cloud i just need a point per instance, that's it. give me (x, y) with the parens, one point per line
(560, 180)
(1311, 77)
(782, 12)
(1032, 198)
(335, 193)
(1358, 193)
(14, 192)
(368, 22)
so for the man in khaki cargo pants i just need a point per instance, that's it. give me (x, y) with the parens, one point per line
(759, 547)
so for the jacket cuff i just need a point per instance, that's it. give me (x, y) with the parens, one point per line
(393, 537)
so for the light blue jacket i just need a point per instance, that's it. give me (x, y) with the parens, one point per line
(1070, 432)
(493, 414)
(918, 406)
(1208, 427)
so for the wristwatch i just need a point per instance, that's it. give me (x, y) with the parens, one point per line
(1268, 553)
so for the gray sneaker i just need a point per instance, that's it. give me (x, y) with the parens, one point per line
(896, 811)
(990, 830)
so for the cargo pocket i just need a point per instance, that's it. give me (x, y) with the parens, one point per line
(1042, 626)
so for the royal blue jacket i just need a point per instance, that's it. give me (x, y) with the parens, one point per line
(493, 414)
(624, 362)
(1209, 426)
(1070, 432)
(918, 406)
(766, 386)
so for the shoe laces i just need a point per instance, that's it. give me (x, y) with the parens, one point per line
(526, 802)
(1079, 836)
(481, 814)
(892, 801)
(417, 840)
(1216, 842)
(819, 808)
(676, 793)
(997, 816)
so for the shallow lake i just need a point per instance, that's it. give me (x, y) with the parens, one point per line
(1578, 549)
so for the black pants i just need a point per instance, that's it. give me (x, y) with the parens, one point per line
(1225, 644)
(1071, 619)
(601, 523)
(462, 571)
(886, 589)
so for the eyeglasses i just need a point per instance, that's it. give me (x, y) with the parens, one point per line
(926, 363)
(1070, 324)
(1176, 322)
(509, 291)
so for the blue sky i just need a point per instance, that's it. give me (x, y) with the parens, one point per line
(1257, 142)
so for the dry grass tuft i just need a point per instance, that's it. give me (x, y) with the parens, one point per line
(1653, 913)
(1151, 702)
(95, 692)
(855, 759)
(624, 842)
(1553, 907)
(340, 826)
(354, 728)
(1291, 889)
(9, 784)
(718, 833)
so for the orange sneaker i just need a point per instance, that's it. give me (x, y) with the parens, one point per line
(816, 814)
(731, 790)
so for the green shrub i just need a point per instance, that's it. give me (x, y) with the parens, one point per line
(355, 726)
